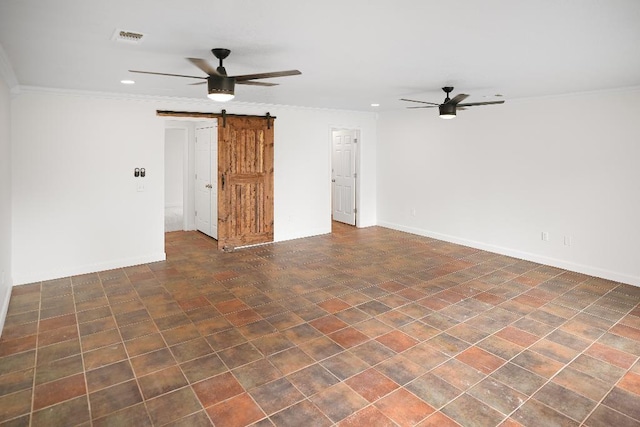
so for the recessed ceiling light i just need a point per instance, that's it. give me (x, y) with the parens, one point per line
(127, 82)
(375, 105)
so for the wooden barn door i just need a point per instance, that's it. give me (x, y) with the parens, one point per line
(245, 181)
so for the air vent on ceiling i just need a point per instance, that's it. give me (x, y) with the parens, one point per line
(127, 36)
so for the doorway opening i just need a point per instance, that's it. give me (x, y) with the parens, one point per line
(180, 172)
(344, 175)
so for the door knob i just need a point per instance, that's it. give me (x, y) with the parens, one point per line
(209, 186)
(333, 180)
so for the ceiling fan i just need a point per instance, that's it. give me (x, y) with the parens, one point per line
(450, 105)
(220, 85)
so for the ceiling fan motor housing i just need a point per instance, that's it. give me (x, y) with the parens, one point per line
(221, 84)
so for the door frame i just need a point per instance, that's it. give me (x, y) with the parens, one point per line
(356, 199)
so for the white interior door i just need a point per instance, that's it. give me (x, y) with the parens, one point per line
(343, 175)
(206, 180)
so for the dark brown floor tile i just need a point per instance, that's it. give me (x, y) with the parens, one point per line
(144, 344)
(373, 352)
(500, 347)
(630, 382)
(133, 415)
(517, 336)
(481, 360)
(256, 373)
(373, 328)
(100, 339)
(291, 360)
(404, 408)
(397, 341)
(239, 411)
(16, 381)
(371, 384)
(624, 402)
(400, 369)
(565, 401)
(203, 367)
(369, 416)
(469, 411)
(161, 382)
(458, 374)
(534, 413)
(497, 395)
(328, 324)
(136, 330)
(57, 391)
(312, 379)
(216, 389)
(597, 368)
(15, 404)
(58, 369)
(190, 350)
(582, 383)
(611, 355)
(604, 416)
(321, 348)
(276, 395)
(70, 412)
(58, 351)
(345, 365)
(151, 362)
(338, 402)
(302, 413)
(222, 340)
(199, 419)
(348, 337)
(537, 363)
(18, 345)
(109, 375)
(94, 314)
(255, 330)
(173, 406)
(272, 343)
(240, 355)
(114, 398)
(433, 390)
(518, 378)
(438, 419)
(17, 362)
(104, 356)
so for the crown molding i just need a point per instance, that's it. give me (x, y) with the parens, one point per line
(6, 72)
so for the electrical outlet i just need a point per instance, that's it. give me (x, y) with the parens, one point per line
(545, 236)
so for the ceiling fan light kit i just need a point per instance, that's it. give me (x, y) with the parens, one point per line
(450, 106)
(220, 86)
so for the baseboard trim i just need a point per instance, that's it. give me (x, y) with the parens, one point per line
(528, 256)
(23, 279)
(5, 308)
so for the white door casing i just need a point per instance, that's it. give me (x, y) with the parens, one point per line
(206, 180)
(343, 175)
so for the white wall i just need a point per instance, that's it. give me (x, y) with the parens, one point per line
(175, 140)
(497, 176)
(5, 200)
(76, 204)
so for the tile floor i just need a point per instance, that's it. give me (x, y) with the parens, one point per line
(363, 327)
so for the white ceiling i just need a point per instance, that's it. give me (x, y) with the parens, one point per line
(351, 52)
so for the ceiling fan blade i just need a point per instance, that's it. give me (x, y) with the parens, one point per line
(252, 83)
(203, 65)
(424, 106)
(471, 104)
(457, 99)
(246, 77)
(167, 74)
(421, 102)
(199, 83)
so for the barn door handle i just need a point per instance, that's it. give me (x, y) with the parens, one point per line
(209, 186)
(333, 180)
(223, 181)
